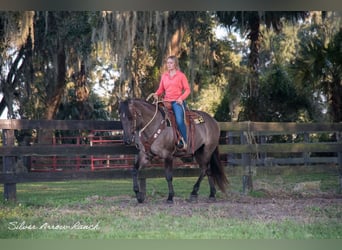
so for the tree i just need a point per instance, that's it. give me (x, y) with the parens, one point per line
(16, 54)
(141, 40)
(318, 66)
(61, 52)
(52, 47)
(279, 99)
(250, 22)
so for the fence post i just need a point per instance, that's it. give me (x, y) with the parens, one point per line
(306, 155)
(339, 162)
(340, 170)
(247, 183)
(229, 140)
(10, 189)
(263, 155)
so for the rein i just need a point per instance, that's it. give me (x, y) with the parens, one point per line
(154, 116)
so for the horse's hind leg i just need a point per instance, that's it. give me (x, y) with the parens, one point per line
(194, 193)
(212, 187)
(202, 159)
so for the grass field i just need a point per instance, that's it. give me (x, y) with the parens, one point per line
(106, 209)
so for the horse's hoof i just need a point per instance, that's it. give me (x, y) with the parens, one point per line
(169, 201)
(140, 197)
(212, 198)
(193, 198)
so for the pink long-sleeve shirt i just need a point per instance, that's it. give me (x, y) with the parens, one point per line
(174, 88)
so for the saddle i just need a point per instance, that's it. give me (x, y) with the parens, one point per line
(192, 118)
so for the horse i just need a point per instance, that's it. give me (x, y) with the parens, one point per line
(145, 124)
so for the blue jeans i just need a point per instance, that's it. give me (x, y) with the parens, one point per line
(179, 114)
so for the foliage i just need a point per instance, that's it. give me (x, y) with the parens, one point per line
(44, 52)
(92, 109)
(279, 48)
(222, 111)
(251, 22)
(318, 65)
(209, 100)
(219, 83)
(279, 100)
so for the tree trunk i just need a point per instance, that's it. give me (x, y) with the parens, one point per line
(54, 100)
(253, 64)
(176, 31)
(10, 84)
(336, 100)
(192, 67)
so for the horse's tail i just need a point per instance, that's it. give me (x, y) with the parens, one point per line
(217, 171)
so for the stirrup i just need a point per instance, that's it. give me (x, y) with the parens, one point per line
(182, 144)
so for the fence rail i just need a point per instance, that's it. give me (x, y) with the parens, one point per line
(243, 143)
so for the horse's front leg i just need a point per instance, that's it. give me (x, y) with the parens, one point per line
(139, 192)
(136, 185)
(168, 164)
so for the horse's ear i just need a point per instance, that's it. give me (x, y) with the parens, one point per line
(118, 96)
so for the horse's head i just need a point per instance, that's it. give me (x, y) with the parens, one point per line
(128, 121)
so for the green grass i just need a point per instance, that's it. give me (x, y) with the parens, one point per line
(138, 222)
(112, 206)
(69, 193)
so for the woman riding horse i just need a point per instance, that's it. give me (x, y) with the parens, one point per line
(175, 86)
(144, 124)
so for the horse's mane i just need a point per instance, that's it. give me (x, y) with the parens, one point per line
(143, 102)
(124, 105)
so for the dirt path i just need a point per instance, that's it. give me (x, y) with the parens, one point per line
(307, 209)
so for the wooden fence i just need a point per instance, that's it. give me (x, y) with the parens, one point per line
(243, 143)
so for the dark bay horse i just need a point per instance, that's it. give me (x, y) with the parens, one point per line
(144, 124)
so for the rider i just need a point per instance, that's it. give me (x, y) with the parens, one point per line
(175, 87)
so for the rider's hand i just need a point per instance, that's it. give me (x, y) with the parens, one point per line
(155, 97)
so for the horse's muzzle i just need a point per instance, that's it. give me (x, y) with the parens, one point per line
(128, 140)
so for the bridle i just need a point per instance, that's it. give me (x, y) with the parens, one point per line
(129, 116)
(133, 122)
(147, 142)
